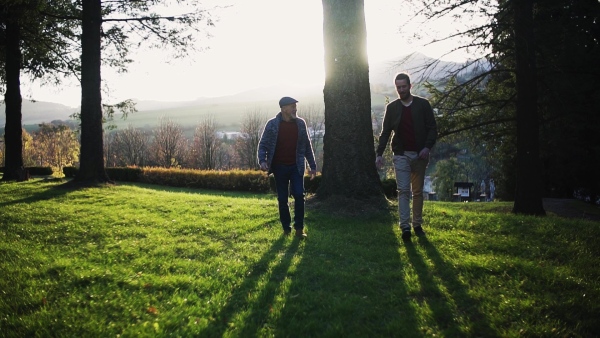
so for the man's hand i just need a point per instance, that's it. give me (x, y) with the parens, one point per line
(424, 154)
(312, 174)
(264, 166)
(379, 162)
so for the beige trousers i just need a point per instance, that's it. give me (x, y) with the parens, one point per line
(410, 176)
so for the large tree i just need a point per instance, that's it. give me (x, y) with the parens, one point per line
(525, 84)
(115, 21)
(528, 195)
(39, 45)
(91, 158)
(349, 159)
(13, 162)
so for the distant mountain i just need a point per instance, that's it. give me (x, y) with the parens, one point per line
(266, 98)
(419, 66)
(39, 111)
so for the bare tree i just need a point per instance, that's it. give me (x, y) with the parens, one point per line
(206, 144)
(55, 145)
(315, 122)
(131, 146)
(28, 148)
(227, 157)
(246, 146)
(168, 144)
(110, 157)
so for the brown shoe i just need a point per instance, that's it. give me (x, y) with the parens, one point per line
(300, 234)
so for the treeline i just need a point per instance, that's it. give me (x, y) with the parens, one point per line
(57, 145)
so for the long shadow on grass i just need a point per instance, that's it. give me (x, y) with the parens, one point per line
(48, 194)
(349, 283)
(255, 312)
(201, 191)
(447, 312)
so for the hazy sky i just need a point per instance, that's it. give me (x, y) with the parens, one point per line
(254, 44)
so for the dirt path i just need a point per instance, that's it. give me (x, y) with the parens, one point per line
(571, 208)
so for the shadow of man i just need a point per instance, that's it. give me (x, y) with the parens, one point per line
(447, 297)
(253, 299)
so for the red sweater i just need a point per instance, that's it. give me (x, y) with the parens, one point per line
(287, 139)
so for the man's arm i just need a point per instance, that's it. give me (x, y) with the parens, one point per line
(384, 136)
(309, 154)
(262, 149)
(386, 131)
(430, 126)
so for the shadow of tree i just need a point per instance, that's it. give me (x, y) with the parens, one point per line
(339, 284)
(51, 192)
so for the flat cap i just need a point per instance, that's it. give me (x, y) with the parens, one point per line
(286, 100)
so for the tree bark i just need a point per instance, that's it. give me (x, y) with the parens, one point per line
(349, 157)
(528, 194)
(13, 132)
(91, 157)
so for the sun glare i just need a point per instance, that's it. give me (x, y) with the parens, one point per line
(254, 44)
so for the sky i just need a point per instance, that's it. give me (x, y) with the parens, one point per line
(254, 44)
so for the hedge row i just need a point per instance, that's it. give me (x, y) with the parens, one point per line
(237, 180)
(233, 180)
(36, 171)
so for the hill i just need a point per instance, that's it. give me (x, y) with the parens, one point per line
(35, 112)
(230, 109)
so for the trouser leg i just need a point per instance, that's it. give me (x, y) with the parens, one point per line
(417, 181)
(402, 170)
(282, 179)
(297, 189)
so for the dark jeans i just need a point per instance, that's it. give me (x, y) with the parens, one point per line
(288, 175)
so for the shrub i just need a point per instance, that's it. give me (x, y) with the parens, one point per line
(238, 180)
(129, 174)
(390, 188)
(232, 180)
(37, 171)
(311, 186)
(40, 171)
(70, 172)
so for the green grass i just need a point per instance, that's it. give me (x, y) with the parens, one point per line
(136, 260)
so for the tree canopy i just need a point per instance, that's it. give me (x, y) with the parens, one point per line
(481, 100)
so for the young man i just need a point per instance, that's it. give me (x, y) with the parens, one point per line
(282, 150)
(411, 120)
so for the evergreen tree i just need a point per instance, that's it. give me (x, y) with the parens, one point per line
(349, 160)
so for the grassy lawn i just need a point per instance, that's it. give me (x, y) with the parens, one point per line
(136, 260)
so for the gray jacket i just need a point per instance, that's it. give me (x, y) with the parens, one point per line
(268, 143)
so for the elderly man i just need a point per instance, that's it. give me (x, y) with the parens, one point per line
(282, 150)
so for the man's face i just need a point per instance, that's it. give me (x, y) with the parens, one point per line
(289, 112)
(403, 89)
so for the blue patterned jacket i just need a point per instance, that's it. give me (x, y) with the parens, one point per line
(268, 142)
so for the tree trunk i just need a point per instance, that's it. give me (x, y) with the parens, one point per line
(91, 157)
(528, 194)
(349, 157)
(13, 132)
